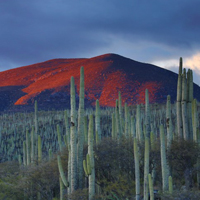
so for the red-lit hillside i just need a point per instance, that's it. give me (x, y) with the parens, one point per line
(105, 75)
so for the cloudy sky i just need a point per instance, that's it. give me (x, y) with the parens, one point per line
(156, 31)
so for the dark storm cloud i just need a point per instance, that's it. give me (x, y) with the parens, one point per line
(34, 31)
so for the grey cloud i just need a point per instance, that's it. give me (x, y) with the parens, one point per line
(40, 30)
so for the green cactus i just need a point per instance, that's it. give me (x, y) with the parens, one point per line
(39, 149)
(137, 169)
(164, 165)
(139, 133)
(91, 156)
(81, 129)
(170, 185)
(73, 138)
(151, 187)
(27, 147)
(146, 168)
(184, 106)
(32, 145)
(169, 122)
(87, 165)
(178, 102)
(97, 120)
(113, 126)
(147, 114)
(61, 172)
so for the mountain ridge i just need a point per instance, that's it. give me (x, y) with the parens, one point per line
(105, 76)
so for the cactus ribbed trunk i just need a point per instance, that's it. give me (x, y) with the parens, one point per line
(113, 126)
(91, 155)
(164, 165)
(139, 133)
(28, 147)
(151, 187)
(147, 114)
(169, 122)
(120, 111)
(126, 120)
(73, 138)
(118, 133)
(189, 102)
(146, 169)
(97, 120)
(178, 102)
(32, 145)
(39, 149)
(81, 129)
(137, 169)
(184, 106)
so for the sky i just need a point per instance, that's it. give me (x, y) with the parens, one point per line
(157, 31)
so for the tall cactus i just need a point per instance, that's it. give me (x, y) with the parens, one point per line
(118, 132)
(189, 101)
(178, 101)
(139, 133)
(81, 129)
(169, 122)
(164, 165)
(97, 120)
(147, 114)
(126, 120)
(146, 168)
(137, 169)
(39, 145)
(32, 145)
(91, 155)
(28, 149)
(184, 106)
(73, 138)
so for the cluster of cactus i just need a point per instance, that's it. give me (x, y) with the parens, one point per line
(38, 135)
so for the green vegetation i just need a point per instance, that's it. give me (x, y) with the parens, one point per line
(103, 153)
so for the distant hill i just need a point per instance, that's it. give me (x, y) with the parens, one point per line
(105, 75)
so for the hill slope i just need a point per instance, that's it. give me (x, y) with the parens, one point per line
(105, 75)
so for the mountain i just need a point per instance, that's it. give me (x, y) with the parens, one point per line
(105, 75)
